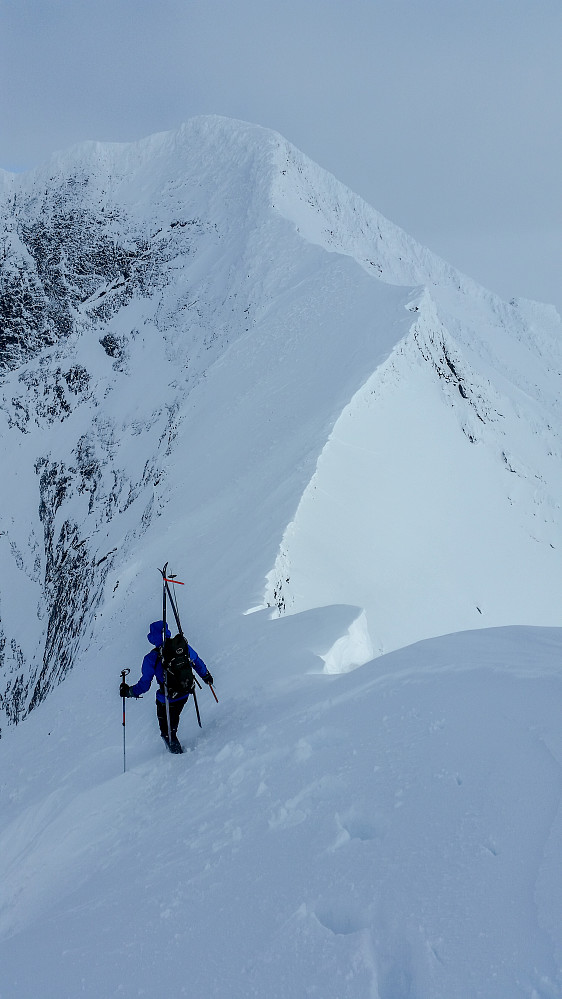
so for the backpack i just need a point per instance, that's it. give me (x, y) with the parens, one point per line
(179, 671)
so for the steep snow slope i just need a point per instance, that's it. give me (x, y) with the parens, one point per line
(441, 479)
(435, 490)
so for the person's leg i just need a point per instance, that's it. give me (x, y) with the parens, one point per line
(176, 708)
(162, 718)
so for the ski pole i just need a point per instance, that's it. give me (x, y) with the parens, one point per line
(124, 673)
(213, 693)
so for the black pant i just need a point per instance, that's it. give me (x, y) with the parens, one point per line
(176, 708)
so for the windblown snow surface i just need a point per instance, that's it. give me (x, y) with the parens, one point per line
(217, 355)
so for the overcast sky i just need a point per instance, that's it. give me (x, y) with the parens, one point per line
(444, 114)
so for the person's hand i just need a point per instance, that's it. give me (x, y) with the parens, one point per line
(208, 679)
(124, 690)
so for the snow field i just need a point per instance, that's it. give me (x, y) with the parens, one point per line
(389, 832)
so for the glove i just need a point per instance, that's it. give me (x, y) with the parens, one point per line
(125, 690)
(208, 678)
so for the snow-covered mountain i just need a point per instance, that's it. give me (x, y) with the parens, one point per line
(409, 419)
(215, 354)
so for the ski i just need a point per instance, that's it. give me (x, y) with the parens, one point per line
(167, 593)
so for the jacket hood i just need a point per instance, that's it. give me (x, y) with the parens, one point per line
(155, 634)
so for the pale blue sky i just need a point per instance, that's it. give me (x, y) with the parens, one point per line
(443, 114)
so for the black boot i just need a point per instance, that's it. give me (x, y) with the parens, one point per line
(175, 745)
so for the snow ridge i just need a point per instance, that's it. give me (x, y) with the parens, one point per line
(214, 354)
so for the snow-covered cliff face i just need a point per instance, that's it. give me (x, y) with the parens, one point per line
(182, 322)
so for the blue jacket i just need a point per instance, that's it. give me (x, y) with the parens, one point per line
(152, 665)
